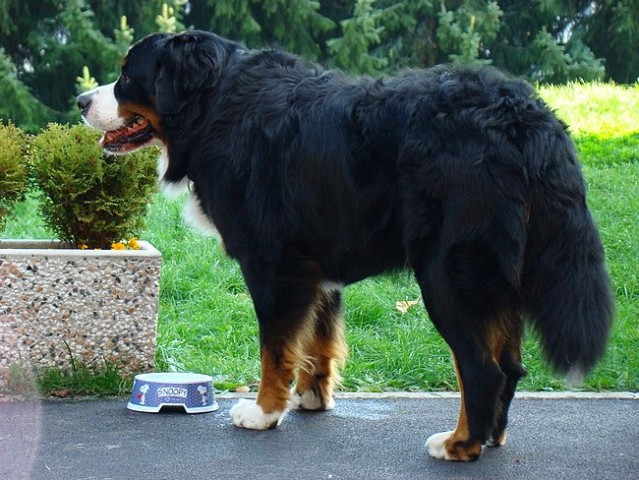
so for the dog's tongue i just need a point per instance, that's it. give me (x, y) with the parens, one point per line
(110, 137)
(127, 137)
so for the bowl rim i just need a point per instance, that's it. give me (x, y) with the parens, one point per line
(179, 378)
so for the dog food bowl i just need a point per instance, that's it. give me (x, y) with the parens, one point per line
(191, 391)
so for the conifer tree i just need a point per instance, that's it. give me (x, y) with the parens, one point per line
(295, 24)
(612, 32)
(292, 24)
(359, 33)
(467, 31)
(18, 103)
(44, 44)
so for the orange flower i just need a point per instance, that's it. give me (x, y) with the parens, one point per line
(118, 246)
(133, 244)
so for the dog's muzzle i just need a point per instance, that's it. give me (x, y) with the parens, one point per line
(84, 102)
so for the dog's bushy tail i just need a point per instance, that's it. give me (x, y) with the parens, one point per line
(567, 290)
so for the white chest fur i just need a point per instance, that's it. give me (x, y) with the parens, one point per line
(193, 212)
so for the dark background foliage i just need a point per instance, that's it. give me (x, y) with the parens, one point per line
(44, 44)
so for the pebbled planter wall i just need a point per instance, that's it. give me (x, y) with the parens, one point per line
(62, 305)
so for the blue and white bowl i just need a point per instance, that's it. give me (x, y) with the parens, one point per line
(191, 391)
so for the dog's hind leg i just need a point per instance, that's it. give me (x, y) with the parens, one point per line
(468, 302)
(480, 384)
(326, 352)
(487, 384)
(508, 354)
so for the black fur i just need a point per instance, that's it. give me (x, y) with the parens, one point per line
(462, 174)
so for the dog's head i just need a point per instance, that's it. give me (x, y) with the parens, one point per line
(161, 76)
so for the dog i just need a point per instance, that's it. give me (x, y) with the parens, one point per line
(314, 180)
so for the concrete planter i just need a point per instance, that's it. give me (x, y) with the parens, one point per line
(60, 305)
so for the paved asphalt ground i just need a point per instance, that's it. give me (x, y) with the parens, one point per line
(362, 438)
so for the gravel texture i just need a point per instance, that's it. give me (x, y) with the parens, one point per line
(62, 305)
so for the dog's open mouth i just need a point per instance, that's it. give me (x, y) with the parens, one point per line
(135, 134)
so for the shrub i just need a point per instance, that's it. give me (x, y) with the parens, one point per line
(13, 168)
(90, 199)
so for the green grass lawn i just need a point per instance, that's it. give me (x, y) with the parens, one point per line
(207, 322)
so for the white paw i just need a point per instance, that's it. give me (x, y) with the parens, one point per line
(498, 442)
(435, 445)
(248, 414)
(308, 401)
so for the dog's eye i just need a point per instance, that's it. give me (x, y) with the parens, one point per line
(124, 78)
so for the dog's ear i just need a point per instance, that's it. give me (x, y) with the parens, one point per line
(189, 63)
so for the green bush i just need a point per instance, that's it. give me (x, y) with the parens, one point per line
(13, 168)
(90, 198)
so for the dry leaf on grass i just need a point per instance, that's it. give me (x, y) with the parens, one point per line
(404, 305)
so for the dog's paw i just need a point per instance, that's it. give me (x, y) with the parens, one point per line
(440, 447)
(435, 445)
(498, 442)
(309, 400)
(248, 414)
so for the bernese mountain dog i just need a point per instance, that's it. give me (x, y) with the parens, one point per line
(314, 180)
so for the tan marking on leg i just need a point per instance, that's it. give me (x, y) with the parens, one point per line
(280, 358)
(315, 386)
(501, 441)
(505, 340)
(273, 394)
(458, 446)
(497, 341)
(272, 399)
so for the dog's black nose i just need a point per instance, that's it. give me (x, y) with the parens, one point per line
(84, 102)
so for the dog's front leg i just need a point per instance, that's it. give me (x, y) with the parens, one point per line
(284, 301)
(272, 399)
